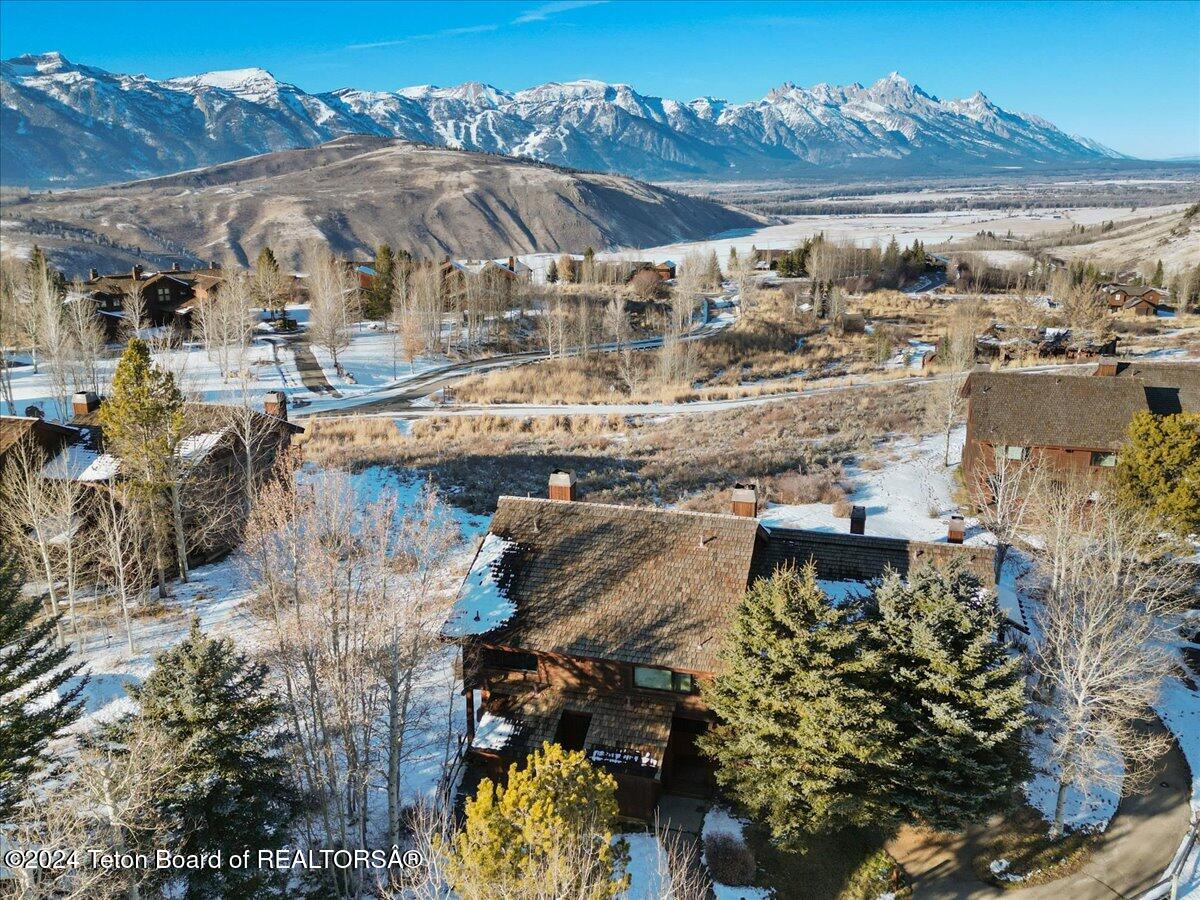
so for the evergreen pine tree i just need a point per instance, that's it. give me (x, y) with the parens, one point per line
(1160, 469)
(379, 302)
(552, 272)
(266, 260)
(712, 272)
(37, 699)
(953, 691)
(143, 424)
(733, 259)
(802, 741)
(231, 789)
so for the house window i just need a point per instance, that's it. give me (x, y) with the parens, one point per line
(1011, 452)
(1105, 460)
(164, 295)
(663, 680)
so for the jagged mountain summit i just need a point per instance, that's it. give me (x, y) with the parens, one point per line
(68, 124)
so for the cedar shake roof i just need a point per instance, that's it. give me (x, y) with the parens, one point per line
(14, 428)
(1049, 409)
(623, 583)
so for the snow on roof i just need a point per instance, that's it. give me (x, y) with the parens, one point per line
(80, 463)
(492, 732)
(195, 447)
(482, 603)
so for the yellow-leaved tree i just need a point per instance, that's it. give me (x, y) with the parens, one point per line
(547, 833)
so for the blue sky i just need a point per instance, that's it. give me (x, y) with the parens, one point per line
(1126, 74)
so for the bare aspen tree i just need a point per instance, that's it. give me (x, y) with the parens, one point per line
(120, 537)
(87, 339)
(1006, 501)
(133, 307)
(226, 324)
(415, 609)
(332, 303)
(29, 520)
(49, 334)
(1112, 592)
(955, 359)
(322, 562)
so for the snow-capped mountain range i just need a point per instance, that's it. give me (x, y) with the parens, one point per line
(68, 124)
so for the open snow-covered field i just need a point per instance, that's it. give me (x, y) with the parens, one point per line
(868, 229)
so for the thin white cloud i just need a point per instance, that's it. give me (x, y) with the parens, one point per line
(537, 14)
(445, 32)
(546, 10)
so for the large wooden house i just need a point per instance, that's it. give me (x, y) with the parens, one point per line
(1073, 422)
(170, 297)
(595, 626)
(1140, 300)
(217, 446)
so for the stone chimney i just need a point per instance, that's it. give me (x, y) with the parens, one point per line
(136, 272)
(744, 501)
(93, 274)
(957, 530)
(512, 263)
(174, 267)
(1107, 366)
(275, 403)
(562, 485)
(858, 520)
(84, 402)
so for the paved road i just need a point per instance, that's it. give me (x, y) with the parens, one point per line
(1138, 846)
(400, 399)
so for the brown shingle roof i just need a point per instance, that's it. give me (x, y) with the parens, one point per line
(1049, 409)
(622, 583)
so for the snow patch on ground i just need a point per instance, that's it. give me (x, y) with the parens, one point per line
(1092, 808)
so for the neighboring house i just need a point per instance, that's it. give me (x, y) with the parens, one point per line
(213, 455)
(664, 270)
(1142, 301)
(1010, 342)
(1074, 422)
(48, 437)
(594, 626)
(768, 259)
(170, 297)
(508, 272)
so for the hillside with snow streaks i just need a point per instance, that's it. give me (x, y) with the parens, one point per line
(67, 124)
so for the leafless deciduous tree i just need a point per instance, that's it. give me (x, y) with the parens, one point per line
(955, 359)
(1006, 500)
(332, 302)
(87, 339)
(120, 538)
(133, 307)
(106, 802)
(1112, 591)
(226, 324)
(350, 611)
(31, 511)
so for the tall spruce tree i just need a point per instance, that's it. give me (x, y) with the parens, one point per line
(1160, 468)
(379, 305)
(143, 425)
(37, 697)
(954, 692)
(232, 789)
(802, 742)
